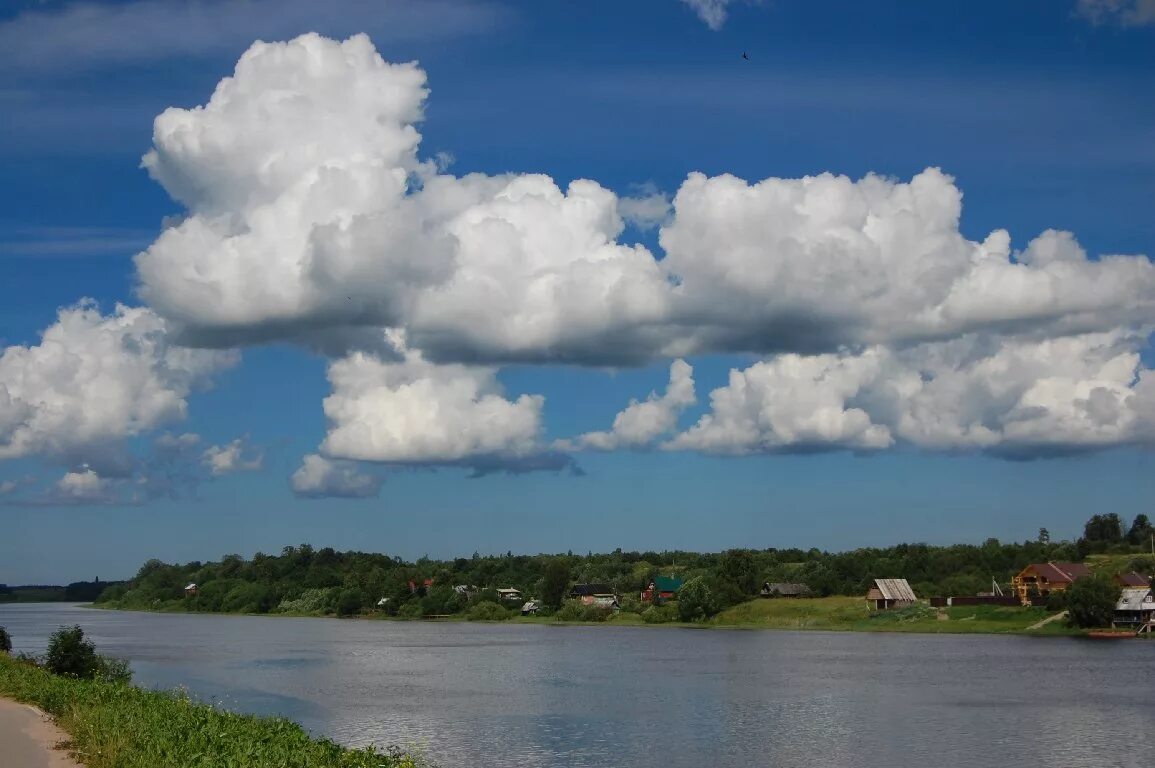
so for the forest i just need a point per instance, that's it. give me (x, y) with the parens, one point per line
(305, 580)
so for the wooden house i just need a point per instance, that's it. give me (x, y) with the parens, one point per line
(594, 594)
(1136, 607)
(784, 589)
(190, 590)
(661, 589)
(509, 594)
(1041, 579)
(890, 593)
(1132, 580)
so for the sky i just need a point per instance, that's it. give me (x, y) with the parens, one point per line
(431, 278)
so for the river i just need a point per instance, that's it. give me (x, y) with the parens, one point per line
(501, 695)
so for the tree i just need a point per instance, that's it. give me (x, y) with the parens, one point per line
(1141, 531)
(349, 602)
(695, 601)
(5, 641)
(555, 583)
(69, 654)
(1104, 529)
(1044, 536)
(1091, 601)
(738, 569)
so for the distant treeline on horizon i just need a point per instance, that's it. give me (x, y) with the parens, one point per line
(76, 592)
(307, 580)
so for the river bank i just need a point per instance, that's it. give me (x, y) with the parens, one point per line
(31, 739)
(824, 614)
(111, 725)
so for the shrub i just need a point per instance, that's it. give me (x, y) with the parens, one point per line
(1091, 601)
(571, 610)
(5, 641)
(111, 670)
(1057, 601)
(695, 601)
(488, 612)
(315, 600)
(70, 655)
(349, 602)
(660, 614)
(411, 610)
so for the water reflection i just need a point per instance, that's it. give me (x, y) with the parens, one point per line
(497, 696)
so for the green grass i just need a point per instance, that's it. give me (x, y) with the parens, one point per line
(852, 614)
(119, 726)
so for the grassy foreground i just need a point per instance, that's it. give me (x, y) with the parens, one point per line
(852, 614)
(114, 725)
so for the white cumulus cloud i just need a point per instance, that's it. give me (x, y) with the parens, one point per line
(642, 422)
(412, 411)
(234, 456)
(321, 477)
(94, 380)
(1129, 13)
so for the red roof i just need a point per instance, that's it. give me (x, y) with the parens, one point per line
(1067, 572)
(1134, 580)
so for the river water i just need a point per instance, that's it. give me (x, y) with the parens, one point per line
(498, 696)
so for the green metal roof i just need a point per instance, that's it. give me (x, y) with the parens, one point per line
(667, 583)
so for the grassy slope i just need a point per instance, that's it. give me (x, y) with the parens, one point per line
(119, 726)
(852, 614)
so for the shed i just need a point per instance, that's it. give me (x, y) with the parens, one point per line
(784, 589)
(530, 608)
(890, 593)
(190, 589)
(509, 594)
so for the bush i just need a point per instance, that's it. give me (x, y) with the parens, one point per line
(111, 670)
(349, 602)
(5, 641)
(1091, 601)
(310, 601)
(411, 610)
(574, 610)
(660, 614)
(1057, 601)
(695, 601)
(488, 612)
(70, 655)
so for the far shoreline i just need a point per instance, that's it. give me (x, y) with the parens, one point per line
(862, 625)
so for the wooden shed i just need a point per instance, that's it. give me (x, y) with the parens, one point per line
(890, 593)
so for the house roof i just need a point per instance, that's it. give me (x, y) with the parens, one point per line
(1136, 599)
(786, 588)
(581, 590)
(895, 589)
(191, 585)
(1061, 572)
(667, 583)
(509, 591)
(1134, 579)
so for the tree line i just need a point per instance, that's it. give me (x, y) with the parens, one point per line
(306, 580)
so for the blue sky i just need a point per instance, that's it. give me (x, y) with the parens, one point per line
(1043, 114)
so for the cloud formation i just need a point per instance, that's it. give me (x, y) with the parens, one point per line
(319, 477)
(95, 380)
(642, 422)
(234, 456)
(712, 12)
(1128, 13)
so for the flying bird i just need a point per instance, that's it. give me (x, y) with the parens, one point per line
(744, 56)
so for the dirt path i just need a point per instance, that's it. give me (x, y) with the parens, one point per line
(1048, 620)
(28, 739)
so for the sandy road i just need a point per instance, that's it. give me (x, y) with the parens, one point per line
(28, 739)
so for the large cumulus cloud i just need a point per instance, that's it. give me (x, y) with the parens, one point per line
(94, 381)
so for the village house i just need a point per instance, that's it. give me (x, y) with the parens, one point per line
(784, 589)
(890, 593)
(1132, 580)
(509, 595)
(530, 608)
(662, 588)
(1042, 579)
(190, 590)
(594, 594)
(1136, 607)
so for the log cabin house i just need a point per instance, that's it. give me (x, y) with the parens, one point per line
(1041, 579)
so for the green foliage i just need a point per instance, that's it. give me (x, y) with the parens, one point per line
(5, 641)
(119, 726)
(1091, 601)
(349, 602)
(1141, 531)
(310, 601)
(70, 655)
(410, 610)
(660, 614)
(488, 611)
(555, 583)
(696, 601)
